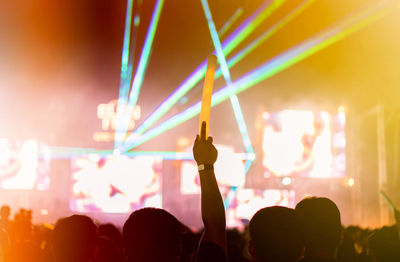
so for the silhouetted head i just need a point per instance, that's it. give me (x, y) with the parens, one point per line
(107, 251)
(276, 235)
(236, 243)
(322, 226)
(152, 234)
(74, 239)
(5, 212)
(384, 245)
(113, 233)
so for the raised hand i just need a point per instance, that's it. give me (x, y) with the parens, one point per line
(204, 151)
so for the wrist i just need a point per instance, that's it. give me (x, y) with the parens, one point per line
(205, 167)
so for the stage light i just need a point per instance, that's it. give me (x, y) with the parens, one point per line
(350, 182)
(245, 28)
(142, 66)
(286, 181)
(279, 63)
(44, 212)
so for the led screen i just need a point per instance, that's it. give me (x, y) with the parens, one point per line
(248, 201)
(229, 171)
(24, 165)
(115, 184)
(302, 143)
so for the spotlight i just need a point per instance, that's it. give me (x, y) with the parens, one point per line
(286, 181)
(350, 182)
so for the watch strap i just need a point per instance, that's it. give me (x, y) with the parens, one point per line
(203, 167)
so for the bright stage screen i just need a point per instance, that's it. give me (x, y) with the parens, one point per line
(115, 184)
(248, 201)
(229, 171)
(302, 143)
(24, 165)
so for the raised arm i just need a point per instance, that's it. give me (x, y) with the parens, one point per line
(212, 207)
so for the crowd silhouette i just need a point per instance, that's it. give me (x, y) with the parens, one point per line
(311, 232)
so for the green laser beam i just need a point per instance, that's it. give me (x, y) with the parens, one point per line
(144, 58)
(235, 38)
(225, 70)
(70, 152)
(122, 126)
(230, 22)
(272, 67)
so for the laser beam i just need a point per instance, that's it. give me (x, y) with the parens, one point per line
(230, 22)
(126, 65)
(281, 62)
(266, 35)
(144, 57)
(124, 86)
(243, 31)
(225, 70)
(245, 28)
(70, 152)
(141, 70)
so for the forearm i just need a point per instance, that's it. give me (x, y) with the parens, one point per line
(212, 209)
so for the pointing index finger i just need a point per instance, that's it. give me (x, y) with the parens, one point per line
(203, 131)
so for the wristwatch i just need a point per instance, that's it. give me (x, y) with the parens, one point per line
(202, 167)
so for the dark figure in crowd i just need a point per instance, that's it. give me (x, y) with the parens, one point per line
(236, 246)
(276, 235)
(322, 228)
(107, 251)
(113, 233)
(75, 239)
(212, 245)
(152, 234)
(384, 245)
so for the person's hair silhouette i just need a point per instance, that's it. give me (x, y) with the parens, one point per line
(275, 235)
(384, 245)
(113, 233)
(152, 234)
(322, 227)
(74, 239)
(108, 251)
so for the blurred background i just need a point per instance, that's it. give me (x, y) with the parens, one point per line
(318, 94)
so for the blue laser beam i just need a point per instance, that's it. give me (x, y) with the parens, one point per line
(279, 63)
(146, 51)
(126, 64)
(232, 41)
(225, 70)
(122, 125)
